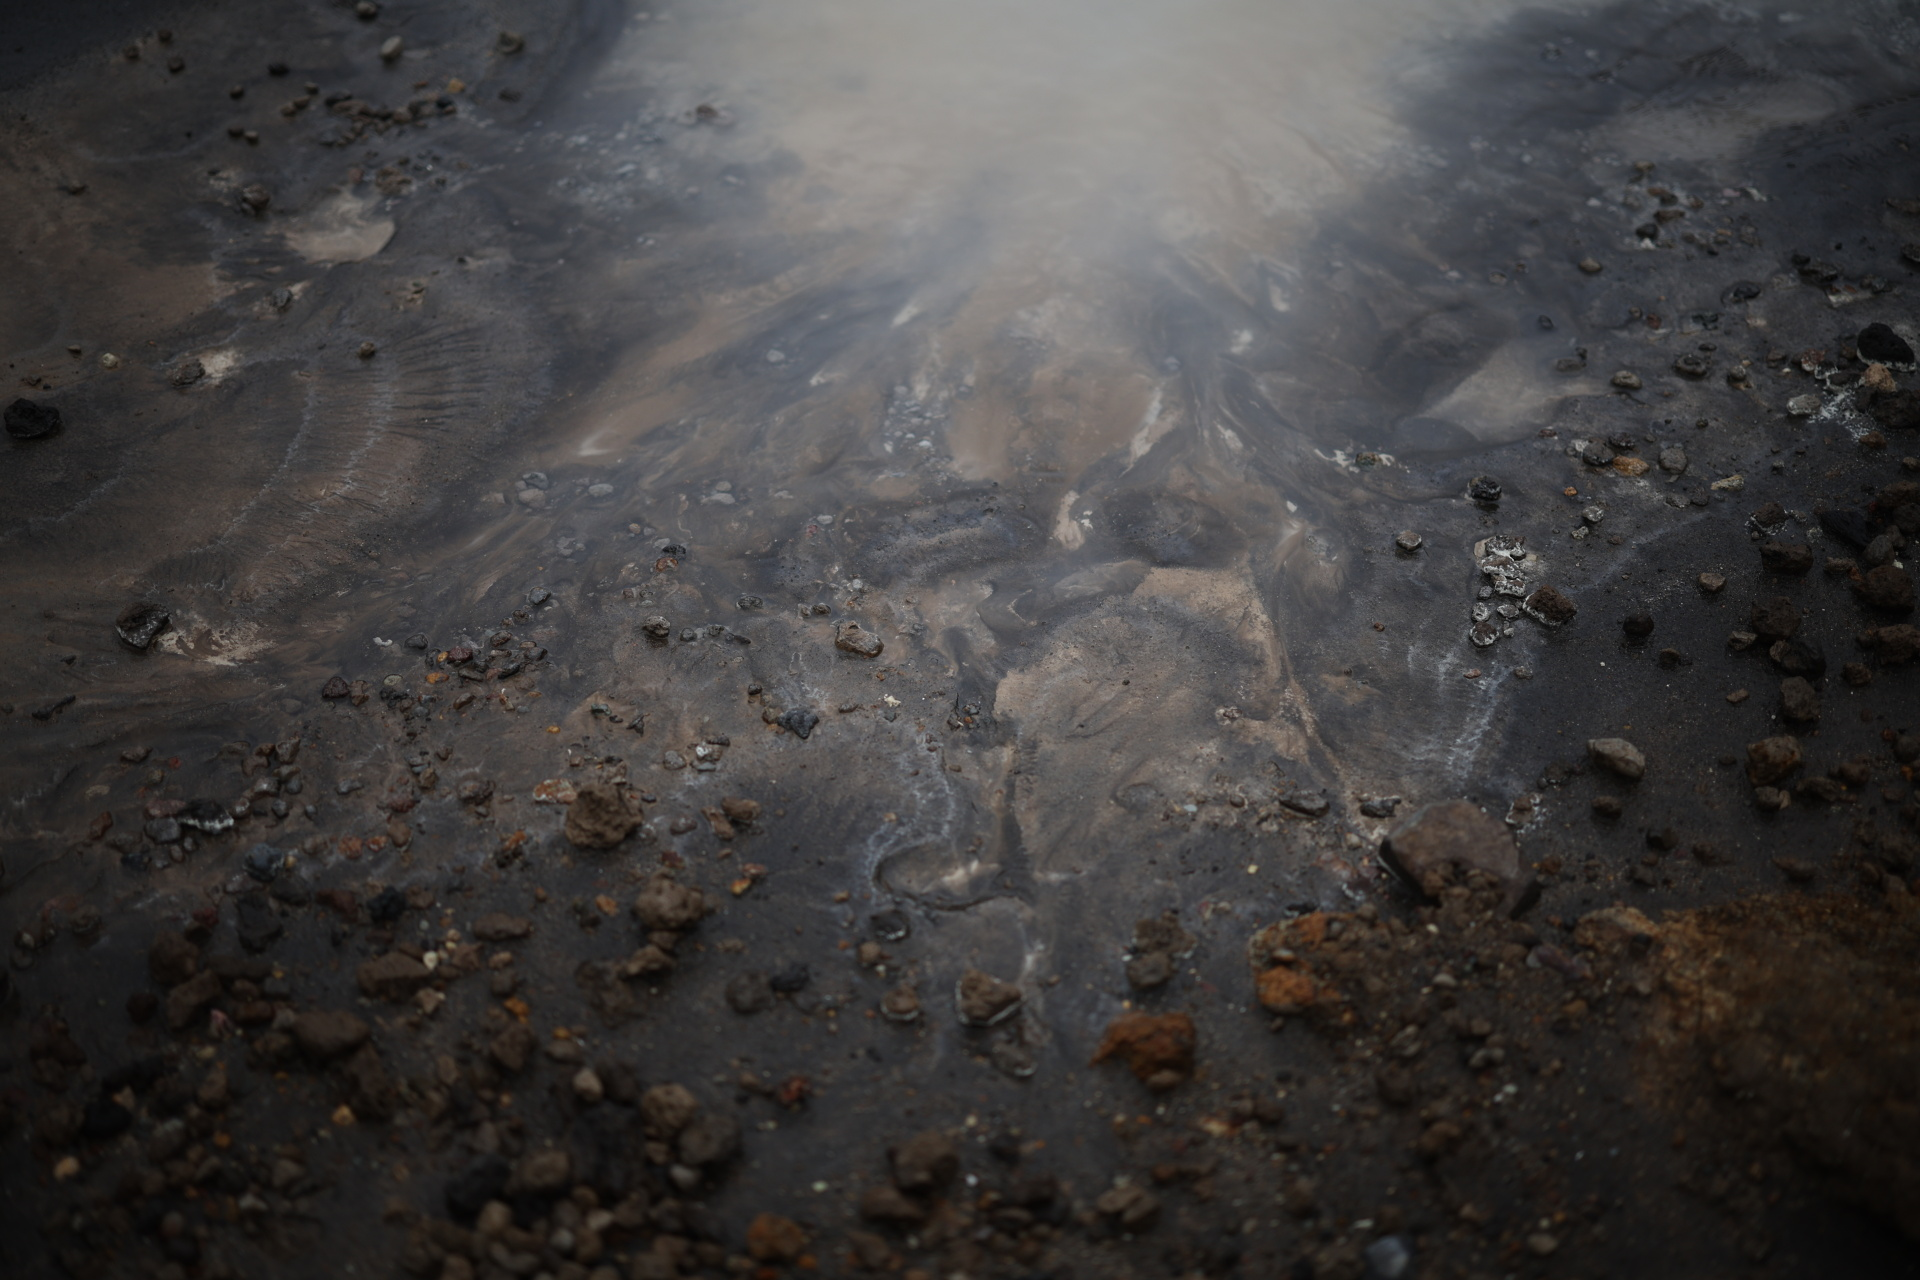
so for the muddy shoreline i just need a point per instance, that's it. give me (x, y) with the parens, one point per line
(734, 700)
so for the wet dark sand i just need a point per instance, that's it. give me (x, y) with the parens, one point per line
(1120, 507)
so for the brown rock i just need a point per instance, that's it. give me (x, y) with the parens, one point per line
(669, 905)
(885, 1203)
(718, 820)
(513, 1046)
(1886, 587)
(925, 1162)
(542, 1173)
(1615, 931)
(1158, 942)
(772, 1238)
(599, 818)
(984, 1000)
(171, 959)
(1798, 702)
(1133, 1206)
(710, 1139)
(1451, 837)
(393, 977)
(497, 926)
(666, 1109)
(370, 1088)
(1549, 606)
(854, 639)
(185, 1001)
(1775, 617)
(1772, 759)
(1618, 756)
(870, 1251)
(740, 811)
(1895, 646)
(1149, 969)
(325, 1034)
(1439, 1138)
(1795, 559)
(1158, 1049)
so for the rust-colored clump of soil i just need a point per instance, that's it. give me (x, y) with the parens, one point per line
(1796, 1020)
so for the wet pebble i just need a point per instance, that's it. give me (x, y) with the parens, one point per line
(1306, 803)
(140, 622)
(1798, 657)
(1886, 587)
(1793, 559)
(1548, 605)
(324, 1035)
(1771, 759)
(1407, 540)
(1617, 755)
(1638, 624)
(31, 420)
(1775, 617)
(1389, 1258)
(1878, 342)
(901, 1004)
(891, 925)
(1798, 702)
(983, 1000)
(799, 721)
(854, 639)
